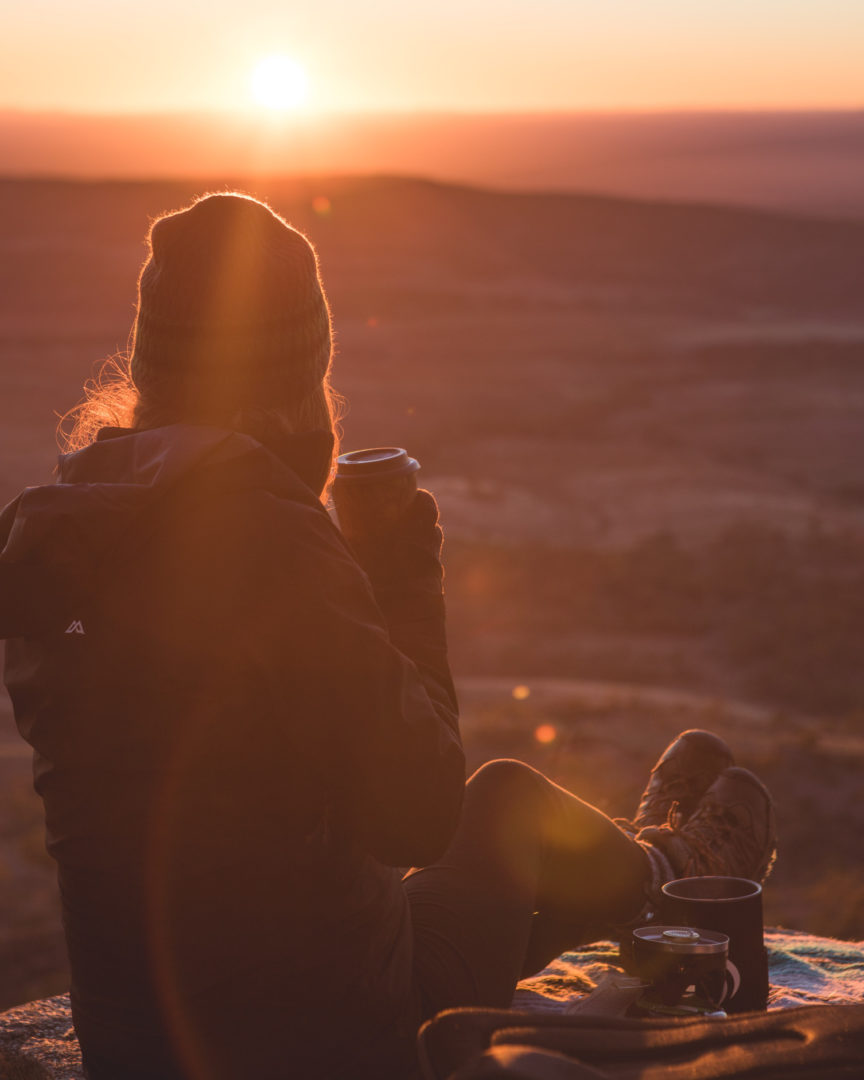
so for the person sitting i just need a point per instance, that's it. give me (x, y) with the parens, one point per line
(244, 722)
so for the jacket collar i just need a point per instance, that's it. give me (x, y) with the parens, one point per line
(308, 454)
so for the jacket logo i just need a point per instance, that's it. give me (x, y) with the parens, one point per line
(76, 627)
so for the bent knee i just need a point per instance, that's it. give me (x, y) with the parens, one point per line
(508, 778)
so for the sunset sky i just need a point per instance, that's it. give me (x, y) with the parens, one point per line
(471, 55)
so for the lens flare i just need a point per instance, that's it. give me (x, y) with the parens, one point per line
(545, 733)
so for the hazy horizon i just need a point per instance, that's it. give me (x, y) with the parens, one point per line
(808, 162)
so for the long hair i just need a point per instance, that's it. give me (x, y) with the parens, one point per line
(251, 385)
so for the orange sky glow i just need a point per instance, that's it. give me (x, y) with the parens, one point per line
(99, 56)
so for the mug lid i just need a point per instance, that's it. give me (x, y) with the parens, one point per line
(376, 461)
(712, 888)
(684, 940)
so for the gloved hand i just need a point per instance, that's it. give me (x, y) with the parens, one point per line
(409, 548)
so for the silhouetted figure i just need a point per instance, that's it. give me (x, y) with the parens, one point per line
(242, 726)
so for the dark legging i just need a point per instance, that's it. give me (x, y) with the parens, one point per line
(531, 871)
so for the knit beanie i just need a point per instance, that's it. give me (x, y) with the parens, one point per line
(230, 305)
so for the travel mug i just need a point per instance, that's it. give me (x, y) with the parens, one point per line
(731, 906)
(675, 960)
(373, 488)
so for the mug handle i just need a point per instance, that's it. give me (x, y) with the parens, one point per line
(733, 981)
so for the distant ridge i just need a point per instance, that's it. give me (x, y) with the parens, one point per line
(799, 162)
(693, 260)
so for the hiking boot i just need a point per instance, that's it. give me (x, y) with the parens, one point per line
(682, 775)
(732, 832)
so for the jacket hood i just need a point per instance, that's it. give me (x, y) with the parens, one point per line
(54, 537)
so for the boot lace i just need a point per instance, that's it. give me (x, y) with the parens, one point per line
(719, 843)
(650, 808)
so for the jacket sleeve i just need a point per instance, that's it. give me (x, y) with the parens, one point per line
(404, 569)
(375, 674)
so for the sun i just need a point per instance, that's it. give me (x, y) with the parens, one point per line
(279, 83)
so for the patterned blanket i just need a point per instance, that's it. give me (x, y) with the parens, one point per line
(37, 1040)
(803, 970)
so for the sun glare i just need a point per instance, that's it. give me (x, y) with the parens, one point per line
(279, 83)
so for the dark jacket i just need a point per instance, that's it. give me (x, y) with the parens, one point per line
(238, 734)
